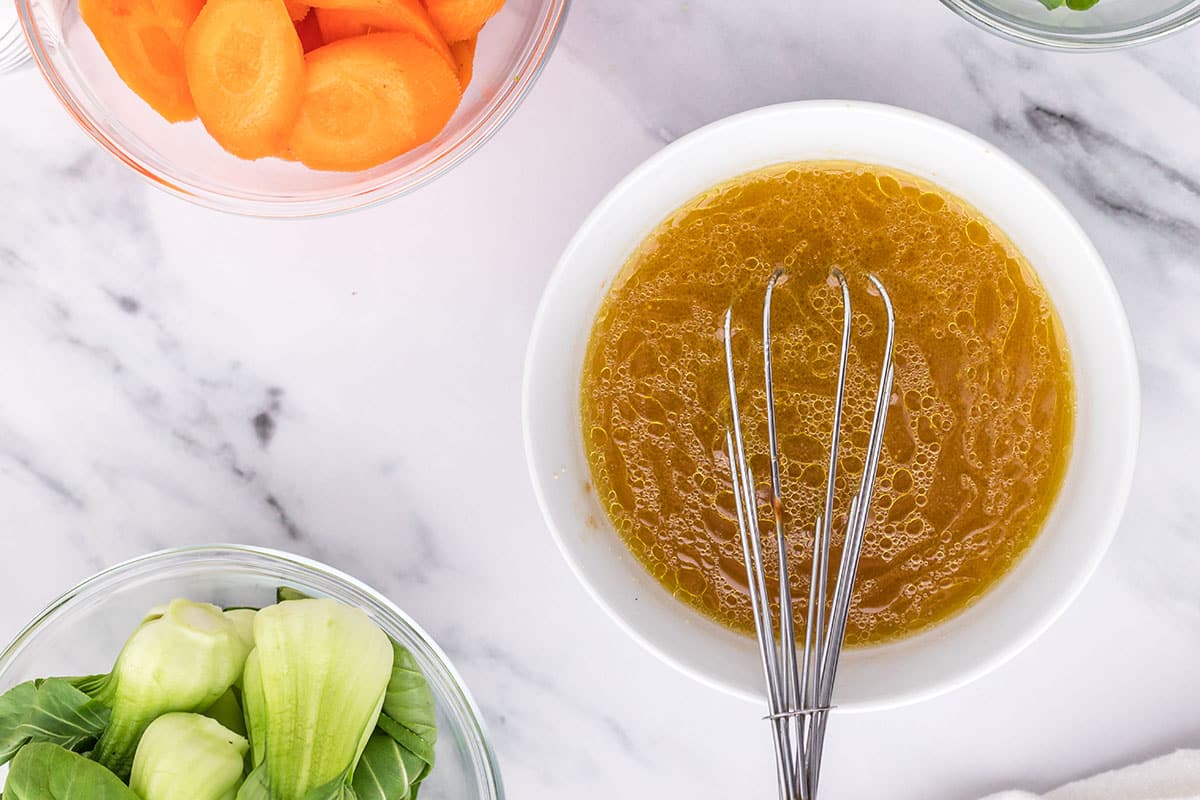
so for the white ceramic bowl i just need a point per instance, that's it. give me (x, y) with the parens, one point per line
(1089, 507)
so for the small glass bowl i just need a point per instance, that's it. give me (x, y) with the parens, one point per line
(184, 160)
(1108, 25)
(81, 633)
(13, 52)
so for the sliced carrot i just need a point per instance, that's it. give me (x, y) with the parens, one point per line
(369, 99)
(354, 5)
(177, 15)
(146, 50)
(393, 16)
(309, 31)
(464, 58)
(296, 9)
(245, 66)
(342, 23)
(459, 20)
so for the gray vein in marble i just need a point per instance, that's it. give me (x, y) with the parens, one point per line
(18, 460)
(1131, 172)
(421, 556)
(264, 421)
(89, 247)
(264, 427)
(1068, 132)
(1175, 65)
(567, 709)
(288, 524)
(126, 303)
(43, 478)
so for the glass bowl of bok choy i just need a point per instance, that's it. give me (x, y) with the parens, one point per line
(234, 673)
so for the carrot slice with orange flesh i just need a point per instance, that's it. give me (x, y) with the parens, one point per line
(177, 15)
(353, 5)
(296, 9)
(395, 16)
(245, 66)
(371, 98)
(342, 23)
(309, 31)
(146, 50)
(459, 20)
(464, 58)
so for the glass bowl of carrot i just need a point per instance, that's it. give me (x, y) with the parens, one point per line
(290, 108)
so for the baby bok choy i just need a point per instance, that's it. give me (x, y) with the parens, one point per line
(188, 757)
(408, 717)
(183, 660)
(312, 690)
(303, 700)
(243, 620)
(399, 754)
(50, 710)
(45, 771)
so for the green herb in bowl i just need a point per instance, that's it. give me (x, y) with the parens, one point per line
(331, 709)
(1074, 5)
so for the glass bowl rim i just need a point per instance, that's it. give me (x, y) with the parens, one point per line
(214, 552)
(978, 13)
(500, 108)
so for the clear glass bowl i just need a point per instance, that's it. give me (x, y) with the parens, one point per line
(13, 52)
(185, 161)
(1105, 26)
(82, 632)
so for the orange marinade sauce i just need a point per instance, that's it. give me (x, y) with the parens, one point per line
(979, 430)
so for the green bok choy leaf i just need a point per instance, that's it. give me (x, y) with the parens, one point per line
(49, 710)
(44, 771)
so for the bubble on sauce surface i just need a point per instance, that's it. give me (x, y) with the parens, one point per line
(978, 432)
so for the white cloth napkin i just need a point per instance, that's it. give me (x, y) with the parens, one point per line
(1173, 777)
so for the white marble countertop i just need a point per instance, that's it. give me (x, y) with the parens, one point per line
(349, 389)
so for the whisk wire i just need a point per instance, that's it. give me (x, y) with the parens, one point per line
(800, 690)
(782, 757)
(787, 625)
(855, 531)
(747, 517)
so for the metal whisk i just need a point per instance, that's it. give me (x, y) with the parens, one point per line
(800, 689)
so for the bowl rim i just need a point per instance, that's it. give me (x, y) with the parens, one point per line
(1064, 41)
(512, 93)
(1125, 358)
(216, 551)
